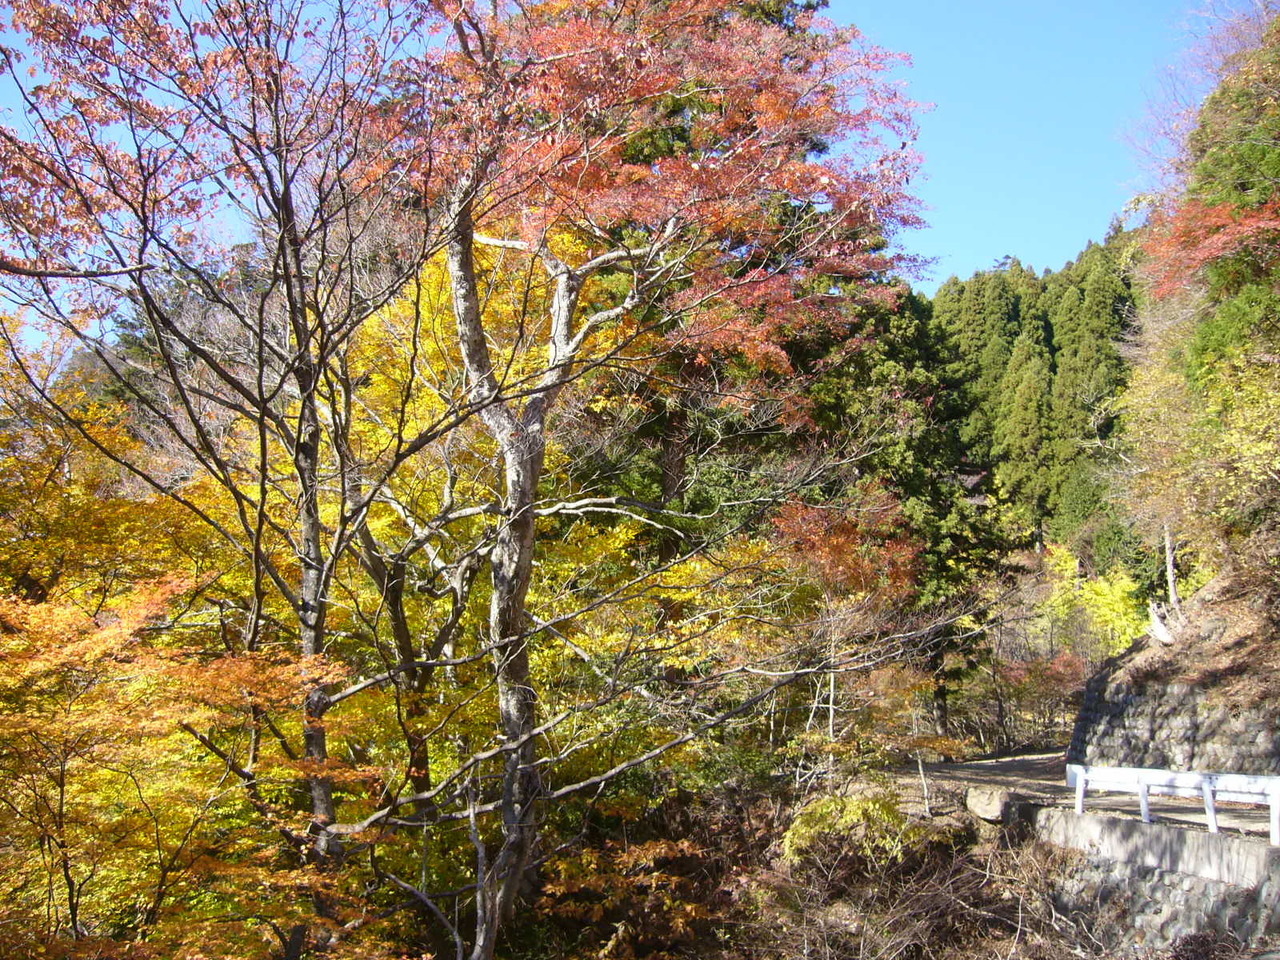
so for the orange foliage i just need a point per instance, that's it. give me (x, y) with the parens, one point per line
(631, 900)
(1194, 235)
(111, 822)
(865, 551)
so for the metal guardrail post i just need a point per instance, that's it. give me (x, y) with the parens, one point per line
(1274, 799)
(1210, 811)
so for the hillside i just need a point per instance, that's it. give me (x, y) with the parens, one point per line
(1225, 643)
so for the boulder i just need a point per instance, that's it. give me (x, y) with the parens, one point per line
(990, 803)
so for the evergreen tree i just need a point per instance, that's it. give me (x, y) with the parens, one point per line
(894, 385)
(1087, 324)
(955, 337)
(1022, 425)
(1000, 327)
(1053, 341)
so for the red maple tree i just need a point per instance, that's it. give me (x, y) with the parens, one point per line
(251, 182)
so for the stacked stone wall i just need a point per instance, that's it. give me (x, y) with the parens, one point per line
(1151, 909)
(1145, 886)
(1175, 727)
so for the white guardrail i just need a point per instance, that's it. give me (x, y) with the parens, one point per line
(1211, 787)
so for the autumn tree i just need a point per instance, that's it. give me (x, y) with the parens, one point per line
(362, 256)
(1208, 332)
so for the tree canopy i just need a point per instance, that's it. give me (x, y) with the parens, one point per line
(335, 295)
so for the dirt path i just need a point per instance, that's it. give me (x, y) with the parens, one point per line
(1042, 777)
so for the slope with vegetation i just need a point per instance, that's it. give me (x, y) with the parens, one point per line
(1202, 416)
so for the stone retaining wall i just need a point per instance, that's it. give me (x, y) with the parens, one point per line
(1147, 885)
(1152, 909)
(1172, 726)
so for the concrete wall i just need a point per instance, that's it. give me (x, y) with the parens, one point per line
(1220, 857)
(1157, 883)
(1172, 726)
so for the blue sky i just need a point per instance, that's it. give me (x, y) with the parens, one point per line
(1028, 148)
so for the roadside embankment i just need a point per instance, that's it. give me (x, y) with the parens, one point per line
(1169, 882)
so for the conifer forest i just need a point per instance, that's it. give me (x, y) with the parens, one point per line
(477, 480)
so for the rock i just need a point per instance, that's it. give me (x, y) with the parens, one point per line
(990, 803)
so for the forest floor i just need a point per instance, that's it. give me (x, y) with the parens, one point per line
(1041, 778)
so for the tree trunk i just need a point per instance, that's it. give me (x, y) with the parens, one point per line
(673, 457)
(1171, 572)
(511, 565)
(939, 707)
(312, 607)
(521, 447)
